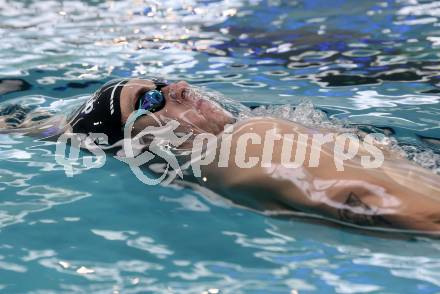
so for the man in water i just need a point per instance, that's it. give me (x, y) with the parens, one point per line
(398, 194)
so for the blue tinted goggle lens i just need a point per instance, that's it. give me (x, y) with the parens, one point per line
(152, 101)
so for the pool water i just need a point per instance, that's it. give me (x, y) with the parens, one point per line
(369, 63)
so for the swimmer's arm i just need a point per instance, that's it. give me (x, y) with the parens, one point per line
(47, 125)
(361, 202)
(359, 196)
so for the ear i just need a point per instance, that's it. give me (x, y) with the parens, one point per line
(130, 94)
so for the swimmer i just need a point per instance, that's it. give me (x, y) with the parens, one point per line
(398, 194)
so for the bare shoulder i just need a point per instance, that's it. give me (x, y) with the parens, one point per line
(261, 125)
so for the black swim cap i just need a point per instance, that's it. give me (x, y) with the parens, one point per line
(102, 112)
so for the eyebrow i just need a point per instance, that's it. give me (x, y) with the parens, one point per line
(160, 83)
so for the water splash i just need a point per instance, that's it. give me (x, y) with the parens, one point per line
(308, 115)
(423, 157)
(304, 113)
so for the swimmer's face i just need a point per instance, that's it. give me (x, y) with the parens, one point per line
(193, 112)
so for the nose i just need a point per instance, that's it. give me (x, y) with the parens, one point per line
(176, 91)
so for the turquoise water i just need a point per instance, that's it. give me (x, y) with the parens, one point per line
(371, 63)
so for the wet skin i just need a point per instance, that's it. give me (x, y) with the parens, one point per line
(399, 194)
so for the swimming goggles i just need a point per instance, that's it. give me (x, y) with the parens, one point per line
(152, 101)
